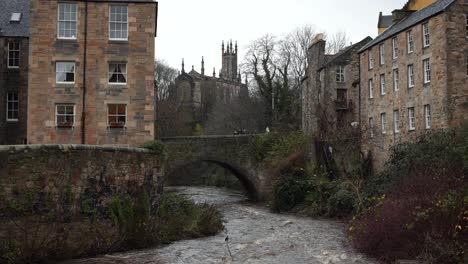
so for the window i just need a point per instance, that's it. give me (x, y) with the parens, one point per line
(410, 76)
(395, 48)
(117, 73)
(12, 106)
(67, 21)
(371, 88)
(371, 60)
(426, 40)
(466, 25)
(396, 80)
(65, 115)
(65, 72)
(371, 127)
(13, 54)
(340, 74)
(116, 115)
(382, 54)
(409, 38)
(118, 23)
(322, 75)
(411, 120)
(382, 84)
(396, 121)
(383, 120)
(427, 115)
(427, 71)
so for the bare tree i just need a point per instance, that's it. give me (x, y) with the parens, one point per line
(164, 76)
(336, 42)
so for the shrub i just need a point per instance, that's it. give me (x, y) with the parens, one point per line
(157, 147)
(272, 147)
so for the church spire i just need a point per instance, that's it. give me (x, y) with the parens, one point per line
(202, 66)
(183, 66)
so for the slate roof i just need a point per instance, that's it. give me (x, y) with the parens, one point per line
(344, 51)
(385, 21)
(14, 29)
(415, 18)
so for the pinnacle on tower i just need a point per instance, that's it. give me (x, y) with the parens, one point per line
(214, 72)
(183, 65)
(236, 46)
(222, 47)
(230, 46)
(203, 66)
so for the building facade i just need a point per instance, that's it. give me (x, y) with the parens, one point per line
(14, 53)
(414, 76)
(91, 72)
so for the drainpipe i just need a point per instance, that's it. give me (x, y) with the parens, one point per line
(83, 109)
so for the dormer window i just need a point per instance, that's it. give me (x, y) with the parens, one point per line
(15, 17)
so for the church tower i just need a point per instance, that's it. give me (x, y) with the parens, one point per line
(229, 68)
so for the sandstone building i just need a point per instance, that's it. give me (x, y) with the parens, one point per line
(14, 51)
(414, 76)
(91, 72)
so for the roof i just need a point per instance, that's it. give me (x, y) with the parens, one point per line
(385, 21)
(346, 50)
(413, 19)
(14, 29)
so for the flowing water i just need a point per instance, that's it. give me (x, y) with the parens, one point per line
(255, 236)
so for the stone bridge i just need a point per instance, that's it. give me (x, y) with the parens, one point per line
(230, 152)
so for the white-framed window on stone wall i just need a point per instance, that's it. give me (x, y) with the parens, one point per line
(13, 54)
(396, 121)
(371, 127)
(383, 88)
(426, 36)
(411, 119)
(411, 76)
(340, 74)
(65, 115)
(65, 72)
(409, 40)
(371, 88)
(383, 121)
(371, 59)
(118, 23)
(395, 48)
(116, 115)
(427, 70)
(118, 73)
(67, 20)
(12, 106)
(427, 116)
(382, 53)
(396, 80)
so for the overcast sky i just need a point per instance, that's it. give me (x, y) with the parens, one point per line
(191, 29)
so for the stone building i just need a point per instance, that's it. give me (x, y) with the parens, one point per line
(331, 90)
(91, 72)
(14, 51)
(414, 75)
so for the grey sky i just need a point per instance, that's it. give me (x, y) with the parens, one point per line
(191, 29)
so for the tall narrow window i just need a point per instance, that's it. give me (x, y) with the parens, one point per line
(411, 119)
(65, 72)
(395, 48)
(427, 114)
(466, 25)
(118, 23)
(67, 20)
(371, 127)
(409, 38)
(383, 120)
(371, 88)
(426, 39)
(12, 106)
(383, 89)
(396, 80)
(371, 60)
(340, 74)
(65, 115)
(396, 121)
(427, 71)
(410, 76)
(117, 73)
(116, 115)
(13, 54)
(382, 54)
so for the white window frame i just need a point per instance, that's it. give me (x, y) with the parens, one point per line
(56, 72)
(426, 36)
(396, 121)
(371, 88)
(383, 85)
(371, 127)
(14, 43)
(117, 115)
(382, 53)
(371, 60)
(395, 48)
(411, 76)
(340, 74)
(396, 80)
(119, 22)
(411, 119)
(125, 74)
(8, 110)
(427, 71)
(57, 114)
(63, 20)
(383, 121)
(428, 116)
(410, 42)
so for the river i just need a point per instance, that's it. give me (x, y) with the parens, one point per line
(255, 236)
